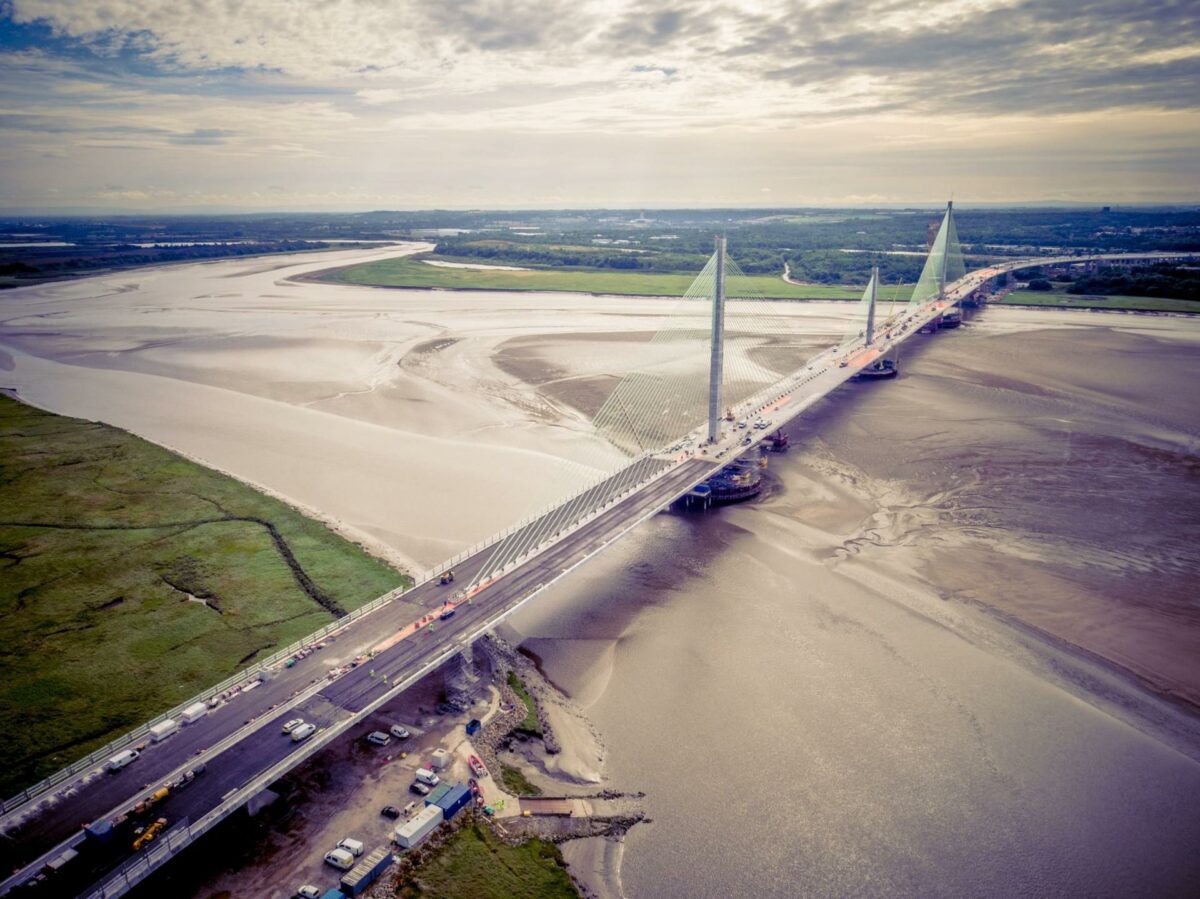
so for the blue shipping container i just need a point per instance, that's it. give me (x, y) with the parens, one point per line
(361, 876)
(438, 792)
(333, 894)
(455, 800)
(100, 831)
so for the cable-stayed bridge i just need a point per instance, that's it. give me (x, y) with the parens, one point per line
(722, 357)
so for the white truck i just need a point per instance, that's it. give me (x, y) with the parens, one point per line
(164, 729)
(193, 713)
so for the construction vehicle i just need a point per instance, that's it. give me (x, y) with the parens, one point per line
(147, 836)
(446, 578)
(152, 800)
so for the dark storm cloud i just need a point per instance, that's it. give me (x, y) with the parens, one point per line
(1034, 56)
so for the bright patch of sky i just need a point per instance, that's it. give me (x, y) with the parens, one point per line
(351, 104)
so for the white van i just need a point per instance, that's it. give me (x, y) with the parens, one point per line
(426, 776)
(340, 859)
(303, 732)
(351, 845)
(121, 759)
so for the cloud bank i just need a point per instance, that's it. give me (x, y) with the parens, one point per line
(513, 102)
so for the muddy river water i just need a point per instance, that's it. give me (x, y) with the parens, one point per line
(952, 650)
(837, 690)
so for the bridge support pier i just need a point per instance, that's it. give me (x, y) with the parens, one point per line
(874, 291)
(260, 801)
(717, 357)
(461, 678)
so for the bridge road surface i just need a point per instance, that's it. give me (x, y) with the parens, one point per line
(258, 743)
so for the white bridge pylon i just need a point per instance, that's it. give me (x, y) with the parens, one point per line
(673, 399)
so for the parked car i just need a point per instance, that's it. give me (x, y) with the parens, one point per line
(419, 788)
(390, 811)
(400, 733)
(340, 859)
(308, 891)
(379, 738)
(292, 725)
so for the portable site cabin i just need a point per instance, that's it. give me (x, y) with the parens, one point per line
(419, 827)
(453, 801)
(367, 871)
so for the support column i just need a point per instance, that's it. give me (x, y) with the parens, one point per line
(945, 253)
(717, 358)
(871, 305)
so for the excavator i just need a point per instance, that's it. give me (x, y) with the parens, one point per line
(148, 835)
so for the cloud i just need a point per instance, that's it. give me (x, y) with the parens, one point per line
(269, 85)
(204, 136)
(933, 54)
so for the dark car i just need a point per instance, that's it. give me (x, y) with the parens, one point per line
(446, 613)
(390, 811)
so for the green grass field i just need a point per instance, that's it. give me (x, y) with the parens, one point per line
(102, 537)
(1060, 297)
(474, 864)
(412, 272)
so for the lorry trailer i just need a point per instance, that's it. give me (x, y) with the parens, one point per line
(164, 729)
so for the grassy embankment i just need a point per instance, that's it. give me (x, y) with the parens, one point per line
(412, 272)
(531, 724)
(474, 864)
(516, 783)
(1059, 297)
(103, 536)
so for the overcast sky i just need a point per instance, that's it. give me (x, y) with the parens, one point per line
(368, 104)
